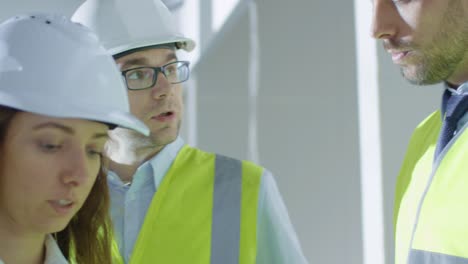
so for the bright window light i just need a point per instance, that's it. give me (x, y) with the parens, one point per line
(221, 9)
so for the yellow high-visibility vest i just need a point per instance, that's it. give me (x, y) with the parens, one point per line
(431, 199)
(205, 211)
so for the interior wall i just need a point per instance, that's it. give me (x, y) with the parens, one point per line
(307, 116)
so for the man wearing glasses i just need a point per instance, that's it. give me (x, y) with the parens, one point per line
(172, 203)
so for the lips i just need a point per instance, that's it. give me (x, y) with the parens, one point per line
(164, 116)
(64, 202)
(168, 113)
(398, 56)
(62, 206)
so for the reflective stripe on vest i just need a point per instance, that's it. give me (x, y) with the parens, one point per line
(411, 183)
(225, 228)
(205, 211)
(425, 257)
(431, 199)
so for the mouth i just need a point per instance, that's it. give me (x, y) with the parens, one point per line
(164, 116)
(398, 56)
(62, 206)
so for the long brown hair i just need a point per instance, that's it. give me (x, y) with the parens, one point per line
(87, 238)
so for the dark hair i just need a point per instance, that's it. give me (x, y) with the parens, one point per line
(88, 236)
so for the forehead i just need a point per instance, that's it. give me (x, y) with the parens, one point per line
(147, 57)
(26, 121)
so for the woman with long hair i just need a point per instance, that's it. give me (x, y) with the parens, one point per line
(60, 93)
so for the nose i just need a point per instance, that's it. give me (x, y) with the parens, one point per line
(75, 170)
(162, 87)
(384, 20)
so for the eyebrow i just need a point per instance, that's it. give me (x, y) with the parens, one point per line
(145, 61)
(66, 129)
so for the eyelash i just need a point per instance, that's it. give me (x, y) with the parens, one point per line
(93, 152)
(53, 148)
(401, 1)
(50, 148)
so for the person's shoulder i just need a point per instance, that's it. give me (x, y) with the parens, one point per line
(222, 156)
(195, 151)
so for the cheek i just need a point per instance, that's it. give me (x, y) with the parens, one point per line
(23, 185)
(27, 171)
(137, 101)
(426, 17)
(95, 175)
(94, 168)
(85, 188)
(411, 15)
(179, 96)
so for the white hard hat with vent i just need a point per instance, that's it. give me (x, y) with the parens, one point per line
(52, 66)
(124, 25)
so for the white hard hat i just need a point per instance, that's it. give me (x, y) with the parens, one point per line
(124, 25)
(52, 66)
(11, 8)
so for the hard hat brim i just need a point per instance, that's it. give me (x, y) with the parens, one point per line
(186, 44)
(62, 110)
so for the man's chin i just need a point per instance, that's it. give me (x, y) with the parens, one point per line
(418, 76)
(162, 139)
(165, 135)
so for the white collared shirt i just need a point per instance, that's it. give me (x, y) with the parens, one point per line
(53, 253)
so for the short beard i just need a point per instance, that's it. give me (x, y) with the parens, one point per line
(447, 51)
(157, 141)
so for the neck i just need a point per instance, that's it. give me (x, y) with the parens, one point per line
(460, 76)
(457, 81)
(21, 247)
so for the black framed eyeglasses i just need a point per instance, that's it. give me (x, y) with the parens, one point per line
(146, 77)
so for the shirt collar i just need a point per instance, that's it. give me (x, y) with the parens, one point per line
(164, 159)
(53, 253)
(449, 91)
